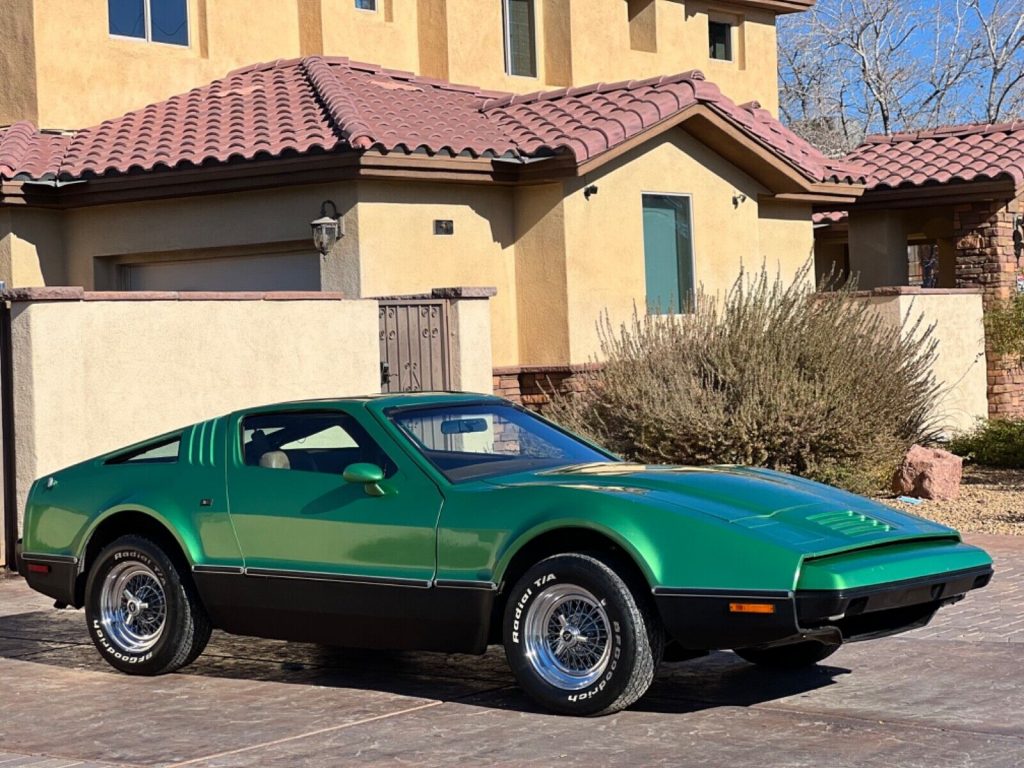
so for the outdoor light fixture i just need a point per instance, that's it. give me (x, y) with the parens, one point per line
(589, 192)
(327, 229)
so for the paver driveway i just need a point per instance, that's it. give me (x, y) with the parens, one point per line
(949, 695)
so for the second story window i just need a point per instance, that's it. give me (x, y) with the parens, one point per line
(520, 38)
(366, 5)
(720, 40)
(158, 21)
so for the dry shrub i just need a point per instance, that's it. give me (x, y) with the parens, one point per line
(774, 375)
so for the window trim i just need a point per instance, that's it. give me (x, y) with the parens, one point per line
(693, 250)
(148, 27)
(506, 34)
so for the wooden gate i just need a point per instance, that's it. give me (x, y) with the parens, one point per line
(414, 352)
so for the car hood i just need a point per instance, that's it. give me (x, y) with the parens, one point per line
(784, 507)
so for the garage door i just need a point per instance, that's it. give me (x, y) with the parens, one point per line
(266, 272)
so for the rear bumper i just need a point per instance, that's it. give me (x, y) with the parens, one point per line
(52, 575)
(703, 620)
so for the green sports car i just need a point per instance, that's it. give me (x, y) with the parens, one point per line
(448, 522)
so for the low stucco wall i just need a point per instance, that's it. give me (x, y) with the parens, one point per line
(95, 374)
(960, 331)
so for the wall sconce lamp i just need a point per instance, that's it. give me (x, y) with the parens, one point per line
(590, 191)
(738, 199)
(327, 229)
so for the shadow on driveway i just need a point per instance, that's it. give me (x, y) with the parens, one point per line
(59, 639)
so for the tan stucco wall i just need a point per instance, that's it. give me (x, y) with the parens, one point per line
(471, 368)
(960, 363)
(257, 219)
(32, 249)
(17, 62)
(85, 76)
(79, 75)
(92, 376)
(400, 254)
(604, 236)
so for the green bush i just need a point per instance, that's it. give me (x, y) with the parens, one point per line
(996, 443)
(773, 374)
(1004, 327)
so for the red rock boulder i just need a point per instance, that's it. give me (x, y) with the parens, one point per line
(929, 473)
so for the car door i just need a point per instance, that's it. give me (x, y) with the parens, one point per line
(324, 560)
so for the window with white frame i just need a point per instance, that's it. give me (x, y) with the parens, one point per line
(366, 5)
(158, 21)
(520, 37)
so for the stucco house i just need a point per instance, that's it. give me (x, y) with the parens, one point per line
(943, 208)
(569, 198)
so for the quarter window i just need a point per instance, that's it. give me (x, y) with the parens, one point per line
(164, 452)
(520, 38)
(668, 253)
(159, 21)
(720, 40)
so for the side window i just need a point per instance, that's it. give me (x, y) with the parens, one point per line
(668, 254)
(520, 38)
(158, 21)
(720, 40)
(165, 452)
(310, 442)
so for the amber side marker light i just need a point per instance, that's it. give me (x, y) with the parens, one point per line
(751, 608)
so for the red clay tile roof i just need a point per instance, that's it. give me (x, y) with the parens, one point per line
(829, 217)
(958, 153)
(26, 151)
(322, 104)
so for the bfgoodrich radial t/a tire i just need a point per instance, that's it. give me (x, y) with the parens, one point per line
(576, 638)
(143, 615)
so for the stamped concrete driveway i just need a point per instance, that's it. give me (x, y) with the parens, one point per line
(949, 695)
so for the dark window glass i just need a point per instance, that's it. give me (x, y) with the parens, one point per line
(169, 22)
(470, 442)
(720, 40)
(310, 442)
(127, 18)
(366, 5)
(165, 452)
(520, 45)
(668, 253)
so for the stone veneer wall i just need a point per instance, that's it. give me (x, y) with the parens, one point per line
(985, 257)
(532, 385)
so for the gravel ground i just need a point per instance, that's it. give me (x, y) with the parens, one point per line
(991, 501)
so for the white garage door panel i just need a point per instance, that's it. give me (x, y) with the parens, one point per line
(267, 272)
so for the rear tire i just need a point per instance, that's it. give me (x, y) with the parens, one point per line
(143, 614)
(576, 638)
(788, 656)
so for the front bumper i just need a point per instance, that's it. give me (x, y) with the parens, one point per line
(702, 619)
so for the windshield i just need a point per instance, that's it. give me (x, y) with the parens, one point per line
(471, 442)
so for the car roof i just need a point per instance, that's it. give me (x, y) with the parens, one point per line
(381, 401)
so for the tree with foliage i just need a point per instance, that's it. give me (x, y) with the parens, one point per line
(852, 67)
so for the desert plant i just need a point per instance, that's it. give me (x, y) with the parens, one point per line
(772, 374)
(1004, 328)
(995, 443)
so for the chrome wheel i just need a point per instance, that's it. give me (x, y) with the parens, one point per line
(566, 637)
(133, 607)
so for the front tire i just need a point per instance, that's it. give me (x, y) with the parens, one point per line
(792, 656)
(576, 638)
(144, 616)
